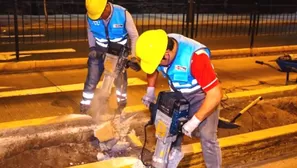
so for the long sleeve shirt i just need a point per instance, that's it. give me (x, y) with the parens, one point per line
(130, 27)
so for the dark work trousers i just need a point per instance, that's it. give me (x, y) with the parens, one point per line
(95, 71)
(206, 131)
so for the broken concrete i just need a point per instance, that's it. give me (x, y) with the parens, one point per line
(105, 132)
(106, 146)
(134, 140)
(101, 156)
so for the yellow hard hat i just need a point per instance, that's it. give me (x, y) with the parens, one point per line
(150, 48)
(95, 8)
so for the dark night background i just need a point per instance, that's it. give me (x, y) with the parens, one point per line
(35, 7)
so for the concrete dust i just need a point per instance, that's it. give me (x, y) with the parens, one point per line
(100, 110)
(122, 125)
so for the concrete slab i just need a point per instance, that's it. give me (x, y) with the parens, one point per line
(120, 162)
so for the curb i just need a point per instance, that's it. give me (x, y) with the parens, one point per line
(82, 62)
(42, 64)
(254, 51)
(249, 148)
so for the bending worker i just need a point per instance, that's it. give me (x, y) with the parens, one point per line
(106, 23)
(187, 66)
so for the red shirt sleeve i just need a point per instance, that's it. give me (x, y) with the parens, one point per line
(203, 72)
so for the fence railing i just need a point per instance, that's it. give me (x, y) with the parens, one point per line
(27, 22)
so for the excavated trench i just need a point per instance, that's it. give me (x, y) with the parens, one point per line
(275, 110)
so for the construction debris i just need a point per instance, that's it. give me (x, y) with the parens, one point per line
(134, 140)
(120, 146)
(105, 132)
(100, 156)
(106, 146)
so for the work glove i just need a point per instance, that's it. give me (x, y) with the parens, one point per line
(149, 97)
(190, 126)
(92, 53)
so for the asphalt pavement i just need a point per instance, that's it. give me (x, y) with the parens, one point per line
(48, 93)
(81, 48)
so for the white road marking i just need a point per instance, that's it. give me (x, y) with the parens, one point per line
(5, 87)
(23, 36)
(40, 51)
(11, 54)
(61, 88)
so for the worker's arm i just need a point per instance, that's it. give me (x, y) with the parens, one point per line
(203, 72)
(152, 79)
(149, 97)
(132, 32)
(91, 38)
(211, 101)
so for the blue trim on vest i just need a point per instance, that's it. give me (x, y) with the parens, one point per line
(116, 26)
(179, 71)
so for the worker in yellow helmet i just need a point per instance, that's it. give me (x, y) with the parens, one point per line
(107, 23)
(186, 64)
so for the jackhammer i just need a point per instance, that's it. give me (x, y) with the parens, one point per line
(168, 115)
(116, 61)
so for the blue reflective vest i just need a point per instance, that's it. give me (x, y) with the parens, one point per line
(179, 71)
(115, 31)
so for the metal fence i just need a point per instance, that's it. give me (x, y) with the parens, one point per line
(27, 21)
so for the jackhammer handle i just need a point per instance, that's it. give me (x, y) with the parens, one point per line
(153, 110)
(260, 62)
(133, 65)
(246, 108)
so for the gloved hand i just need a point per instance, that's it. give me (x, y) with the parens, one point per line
(190, 126)
(92, 53)
(149, 97)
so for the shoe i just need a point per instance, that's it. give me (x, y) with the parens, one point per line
(84, 108)
(122, 104)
